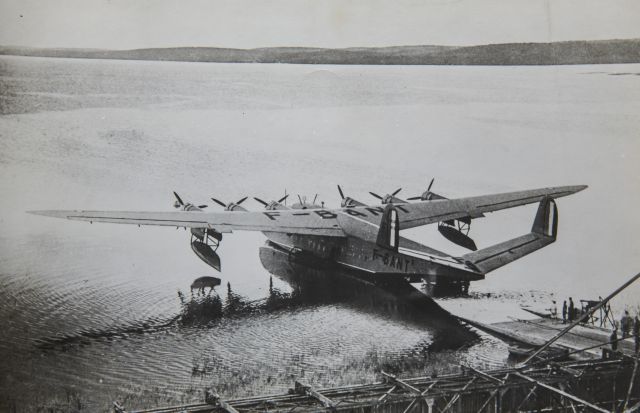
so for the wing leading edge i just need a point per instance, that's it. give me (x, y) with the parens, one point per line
(430, 212)
(336, 223)
(295, 222)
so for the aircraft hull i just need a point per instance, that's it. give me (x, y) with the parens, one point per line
(368, 257)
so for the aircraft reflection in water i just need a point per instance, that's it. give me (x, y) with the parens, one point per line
(364, 237)
(317, 282)
(314, 282)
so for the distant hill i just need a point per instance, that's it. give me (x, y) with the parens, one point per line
(557, 53)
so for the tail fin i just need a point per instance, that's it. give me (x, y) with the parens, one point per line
(543, 233)
(389, 233)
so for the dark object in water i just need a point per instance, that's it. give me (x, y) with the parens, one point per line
(538, 313)
(206, 254)
(554, 353)
(204, 282)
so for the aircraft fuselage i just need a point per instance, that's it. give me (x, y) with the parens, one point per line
(358, 254)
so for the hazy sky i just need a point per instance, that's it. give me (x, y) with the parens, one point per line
(123, 24)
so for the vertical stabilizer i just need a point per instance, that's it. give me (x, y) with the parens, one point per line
(546, 222)
(389, 233)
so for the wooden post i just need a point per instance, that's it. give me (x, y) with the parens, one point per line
(631, 381)
(457, 395)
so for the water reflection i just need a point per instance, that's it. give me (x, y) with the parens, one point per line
(313, 284)
(393, 298)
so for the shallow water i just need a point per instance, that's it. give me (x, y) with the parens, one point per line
(91, 313)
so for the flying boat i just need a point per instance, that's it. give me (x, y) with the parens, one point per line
(359, 236)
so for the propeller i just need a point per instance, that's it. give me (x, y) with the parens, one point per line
(180, 203)
(387, 198)
(348, 202)
(267, 204)
(178, 199)
(261, 201)
(427, 195)
(222, 204)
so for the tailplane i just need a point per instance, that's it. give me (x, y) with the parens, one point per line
(543, 233)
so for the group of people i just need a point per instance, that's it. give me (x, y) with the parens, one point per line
(630, 326)
(569, 312)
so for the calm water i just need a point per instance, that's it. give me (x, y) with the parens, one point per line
(95, 313)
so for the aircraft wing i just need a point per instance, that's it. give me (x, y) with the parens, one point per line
(335, 223)
(429, 212)
(311, 222)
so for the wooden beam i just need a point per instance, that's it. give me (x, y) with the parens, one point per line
(118, 408)
(562, 393)
(457, 395)
(400, 383)
(633, 408)
(421, 397)
(573, 408)
(483, 374)
(491, 396)
(531, 392)
(306, 390)
(227, 407)
(384, 396)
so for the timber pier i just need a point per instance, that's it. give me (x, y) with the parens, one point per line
(604, 380)
(605, 385)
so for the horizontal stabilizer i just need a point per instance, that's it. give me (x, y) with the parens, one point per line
(543, 233)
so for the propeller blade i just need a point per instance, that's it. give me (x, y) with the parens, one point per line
(414, 198)
(396, 193)
(314, 199)
(178, 198)
(300, 199)
(430, 183)
(202, 206)
(340, 190)
(261, 201)
(283, 198)
(242, 200)
(376, 195)
(219, 202)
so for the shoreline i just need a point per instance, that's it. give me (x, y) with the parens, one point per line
(507, 54)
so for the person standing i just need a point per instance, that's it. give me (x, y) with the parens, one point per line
(625, 324)
(564, 312)
(572, 310)
(614, 339)
(636, 333)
